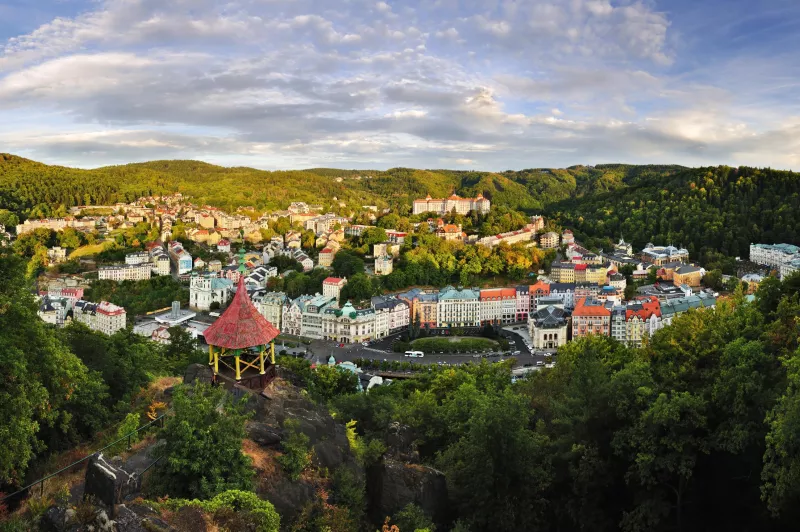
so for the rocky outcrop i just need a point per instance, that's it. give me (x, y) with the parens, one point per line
(391, 485)
(108, 483)
(197, 372)
(400, 443)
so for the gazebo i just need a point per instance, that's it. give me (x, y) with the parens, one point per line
(241, 334)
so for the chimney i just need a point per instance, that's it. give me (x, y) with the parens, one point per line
(176, 310)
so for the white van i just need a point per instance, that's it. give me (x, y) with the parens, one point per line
(415, 354)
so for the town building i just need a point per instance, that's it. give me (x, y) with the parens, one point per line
(498, 305)
(664, 291)
(773, 255)
(396, 311)
(56, 255)
(458, 308)
(384, 265)
(181, 259)
(57, 224)
(259, 276)
(618, 281)
(548, 327)
(619, 330)
(312, 316)
(138, 257)
(675, 307)
(326, 256)
(590, 273)
(564, 272)
(591, 316)
(332, 287)
(642, 320)
(526, 235)
(206, 289)
(292, 317)
(688, 275)
(125, 272)
(789, 268)
(567, 237)
(271, 305)
(752, 280)
(453, 203)
(449, 232)
(659, 255)
(54, 309)
(348, 324)
(423, 306)
(386, 249)
(623, 248)
(102, 317)
(224, 246)
(549, 240)
(523, 302)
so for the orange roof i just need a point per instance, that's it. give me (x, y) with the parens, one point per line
(540, 286)
(503, 293)
(332, 280)
(580, 267)
(584, 309)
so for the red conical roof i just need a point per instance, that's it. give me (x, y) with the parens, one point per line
(240, 326)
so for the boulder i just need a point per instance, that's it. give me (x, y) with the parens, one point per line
(400, 443)
(289, 497)
(107, 483)
(263, 434)
(201, 372)
(327, 454)
(391, 485)
(54, 520)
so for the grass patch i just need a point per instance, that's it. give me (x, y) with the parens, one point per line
(453, 345)
(89, 250)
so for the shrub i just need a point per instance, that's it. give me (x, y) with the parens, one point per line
(243, 507)
(296, 456)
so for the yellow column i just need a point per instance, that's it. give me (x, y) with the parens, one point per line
(210, 355)
(272, 352)
(261, 359)
(238, 370)
(216, 363)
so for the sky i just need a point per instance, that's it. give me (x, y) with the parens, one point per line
(462, 84)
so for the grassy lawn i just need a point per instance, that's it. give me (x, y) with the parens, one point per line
(453, 345)
(88, 250)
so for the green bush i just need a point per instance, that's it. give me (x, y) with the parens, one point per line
(257, 513)
(296, 456)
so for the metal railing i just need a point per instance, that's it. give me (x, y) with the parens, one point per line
(127, 437)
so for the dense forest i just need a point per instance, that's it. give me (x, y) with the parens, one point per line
(718, 209)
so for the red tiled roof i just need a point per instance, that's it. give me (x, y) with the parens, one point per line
(580, 267)
(540, 286)
(582, 309)
(332, 280)
(240, 326)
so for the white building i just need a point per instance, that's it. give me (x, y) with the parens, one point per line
(384, 265)
(454, 202)
(54, 310)
(498, 305)
(314, 308)
(348, 324)
(102, 317)
(332, 287)
(788, 268)
(125, 272)
(458, 308)
(396, 313)
(56, 255)
(138, 257)
(259, 276)
(205, 289)
(271, 305)
(773, 255)
(548, 327)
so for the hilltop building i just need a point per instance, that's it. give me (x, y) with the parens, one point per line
(454, 202)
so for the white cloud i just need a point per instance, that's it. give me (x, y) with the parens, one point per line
(363, 83)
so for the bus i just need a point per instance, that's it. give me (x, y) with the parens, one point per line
(415, 354)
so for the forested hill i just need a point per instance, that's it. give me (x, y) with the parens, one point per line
(26, 184)
(719, 209)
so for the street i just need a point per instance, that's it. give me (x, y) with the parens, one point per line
(319, 351)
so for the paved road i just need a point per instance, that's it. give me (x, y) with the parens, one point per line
(321, 350)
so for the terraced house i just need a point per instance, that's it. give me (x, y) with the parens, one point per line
(458, 307)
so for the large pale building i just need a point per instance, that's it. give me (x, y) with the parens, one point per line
(102, 317)
(125, 272)
(773, 255)
(332, 287)
(205, 289)
(591, 316)
(548, 327)
(271, 305)
(498, 305)
(458, 308)
(454, 202)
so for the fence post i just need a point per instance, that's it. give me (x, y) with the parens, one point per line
(41, 490)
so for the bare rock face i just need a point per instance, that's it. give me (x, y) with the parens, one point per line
(109, 484)
(400, 442)
(391, 485)
(195, 372)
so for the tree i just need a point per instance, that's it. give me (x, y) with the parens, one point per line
(329, 382)
(181, 349)
(202, 451)
(359, 287)
(347, 264)
(296, 456)
(412, 517)
(713, 279)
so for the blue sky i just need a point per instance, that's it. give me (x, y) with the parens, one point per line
(467, 84)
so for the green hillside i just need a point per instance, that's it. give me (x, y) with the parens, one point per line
(705, 209)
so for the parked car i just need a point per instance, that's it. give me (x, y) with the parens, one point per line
(516, 352)
(539, 363)
(365, 344)
(548, 355)
(341, 345)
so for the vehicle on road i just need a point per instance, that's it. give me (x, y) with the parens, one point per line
(341, 345)
(365, 344)
(516, 352)
(539, 363)
(548, 355)
(415, 354)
